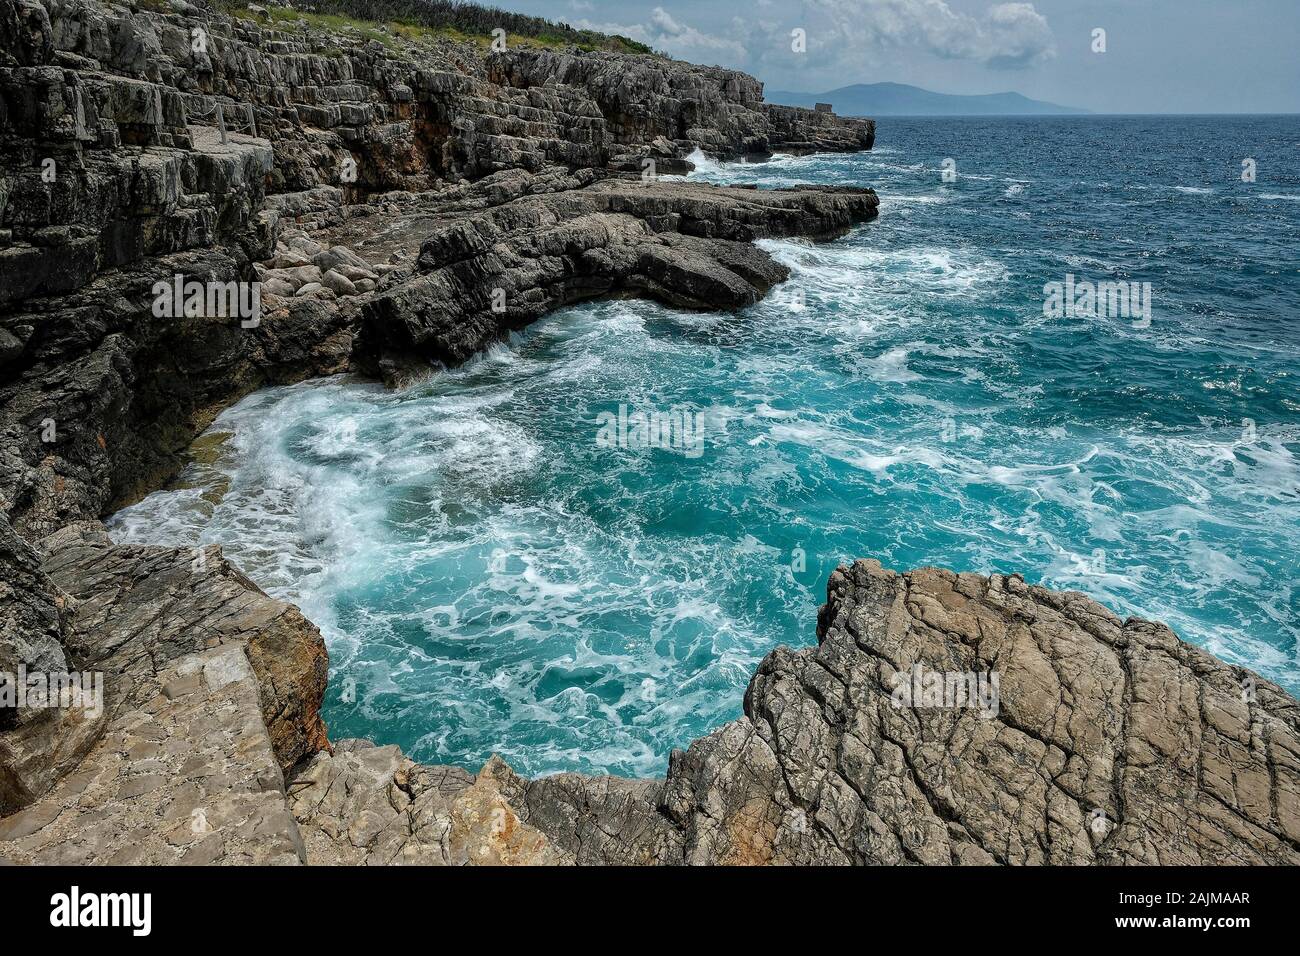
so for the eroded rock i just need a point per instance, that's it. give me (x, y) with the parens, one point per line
(516, 246)
(211, 691)
(1110, 742)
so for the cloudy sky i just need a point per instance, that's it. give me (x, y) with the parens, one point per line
(1178, 56)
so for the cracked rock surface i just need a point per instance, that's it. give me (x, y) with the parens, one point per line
(212, 690)
(517, 245)
(115, 174)
(1109, 742)
(1113, 743)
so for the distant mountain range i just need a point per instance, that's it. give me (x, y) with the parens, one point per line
(899, 99)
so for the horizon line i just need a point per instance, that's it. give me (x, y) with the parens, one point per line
(1081, 113)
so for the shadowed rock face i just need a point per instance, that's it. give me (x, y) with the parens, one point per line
(544, 241)
(114, 175)
(131, 154)
(37, 744)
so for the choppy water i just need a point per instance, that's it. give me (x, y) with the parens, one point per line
(490, 576)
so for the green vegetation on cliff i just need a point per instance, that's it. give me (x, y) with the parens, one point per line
(427, 19)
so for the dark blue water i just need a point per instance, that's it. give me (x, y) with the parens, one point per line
(493, 575)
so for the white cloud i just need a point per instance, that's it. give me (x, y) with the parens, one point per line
(1019, 35)
(665, 33)
(1007, 35)
(846, 39)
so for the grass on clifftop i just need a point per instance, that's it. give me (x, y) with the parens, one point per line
(422, 20)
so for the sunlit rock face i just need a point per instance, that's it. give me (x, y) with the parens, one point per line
(1097, 741)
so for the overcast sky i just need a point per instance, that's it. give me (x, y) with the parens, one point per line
(1177, 56)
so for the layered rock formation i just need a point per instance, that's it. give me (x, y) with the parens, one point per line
(212, 691)
(402, 200)
(157, 142)
(519, 245)
(139, 145)
(1109, 742)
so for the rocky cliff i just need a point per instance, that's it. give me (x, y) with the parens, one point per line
(138, 145)
(1112, 742)
(400, 198)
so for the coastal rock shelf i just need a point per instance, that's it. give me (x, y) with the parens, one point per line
(1113, 742)
(212, 691)
(130, 156)
(402, 201)
(534, 243)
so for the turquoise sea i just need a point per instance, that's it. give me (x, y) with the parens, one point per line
(491, 576)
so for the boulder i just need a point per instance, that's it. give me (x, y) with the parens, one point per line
(301, 275)
(335, 256)
(337, 283)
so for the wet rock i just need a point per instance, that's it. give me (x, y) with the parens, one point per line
(104, 398)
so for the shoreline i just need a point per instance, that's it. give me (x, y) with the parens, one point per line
(213, 749)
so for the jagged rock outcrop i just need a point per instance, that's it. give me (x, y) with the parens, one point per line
(519, 245)
(105, 397)
(109, 123)
(1109, 742)
(403, 201)
(368, 805)
(643, 98)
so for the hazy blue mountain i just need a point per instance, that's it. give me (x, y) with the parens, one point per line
(899, 99)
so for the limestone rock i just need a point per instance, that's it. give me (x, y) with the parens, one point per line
(370, 805)
(437, 180)
(517, 245)
(212, 691)
(1108, 742)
